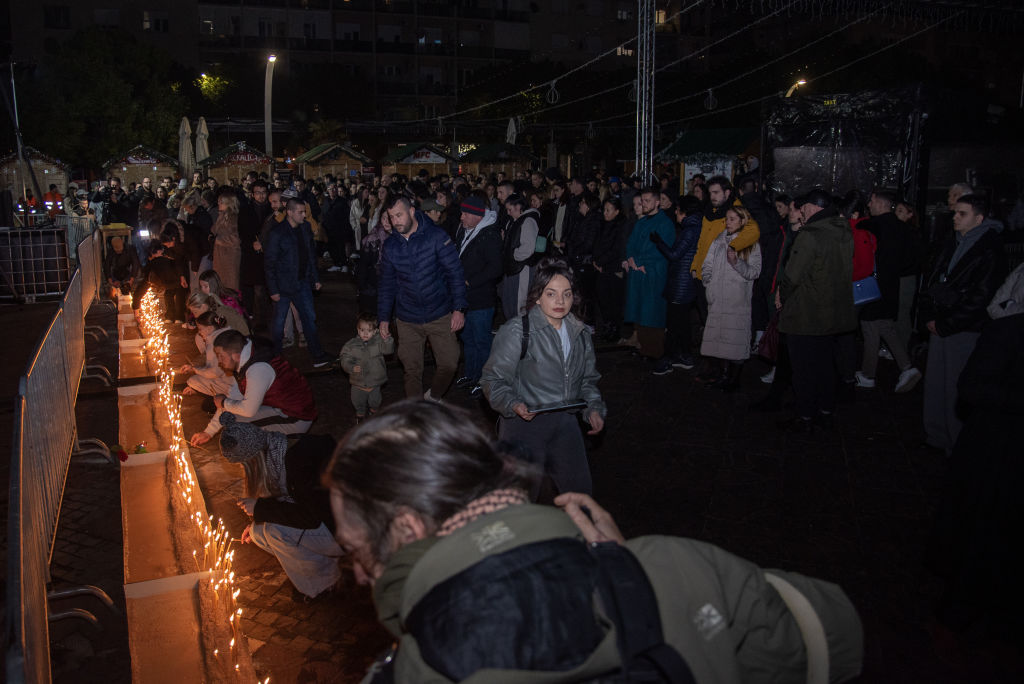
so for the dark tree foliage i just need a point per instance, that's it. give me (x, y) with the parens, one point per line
(100, 95)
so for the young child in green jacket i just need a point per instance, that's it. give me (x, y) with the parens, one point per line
(362, 358)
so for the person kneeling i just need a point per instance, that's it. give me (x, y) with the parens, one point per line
(291, 514)
(271, 392)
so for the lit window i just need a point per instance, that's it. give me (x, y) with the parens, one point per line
(623, 51)
(659, 16)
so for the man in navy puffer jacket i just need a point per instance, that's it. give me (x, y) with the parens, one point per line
(423, 286)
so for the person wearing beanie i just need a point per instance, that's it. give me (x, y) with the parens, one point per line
(290, 510)
(423, 285)
(479, 245)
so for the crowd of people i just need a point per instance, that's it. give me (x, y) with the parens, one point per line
(519, 278)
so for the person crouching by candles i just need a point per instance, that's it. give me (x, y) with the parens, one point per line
(271, 392)
(209, 378)
(290, 510)
(163, 275)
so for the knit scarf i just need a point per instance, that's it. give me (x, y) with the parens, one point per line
(488, 503)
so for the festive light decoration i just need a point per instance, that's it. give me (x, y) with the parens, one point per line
(218, 556)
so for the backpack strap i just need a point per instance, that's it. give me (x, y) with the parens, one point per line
(629, 600)
(526, 337)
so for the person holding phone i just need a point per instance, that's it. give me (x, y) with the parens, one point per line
(542, 374)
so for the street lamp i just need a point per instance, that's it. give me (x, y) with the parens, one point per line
(268, 86)
(793, 87)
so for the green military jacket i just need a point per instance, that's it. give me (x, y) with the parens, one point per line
(717, 610)
(817, 285)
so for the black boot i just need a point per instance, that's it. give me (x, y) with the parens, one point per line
(731, 378)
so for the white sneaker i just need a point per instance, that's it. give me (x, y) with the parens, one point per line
(863, 380)
(769, 377)
(334, 269)
(884, 353)
(908, 380)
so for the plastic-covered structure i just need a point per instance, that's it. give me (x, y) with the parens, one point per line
(840, 142)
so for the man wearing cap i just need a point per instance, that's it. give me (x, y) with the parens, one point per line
(816, 304)
(432, 209)
(423, 285)
(270, 392)
(480, 251)
(290, 510)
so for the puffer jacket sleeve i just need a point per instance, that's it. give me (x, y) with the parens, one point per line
(498, 378)
(387, 285)
(750, 267)
(349, 356)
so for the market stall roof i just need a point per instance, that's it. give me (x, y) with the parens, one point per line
(141, 154)
(329, 151)
(497, 152)
(407, 154)
(33, 153)
(729, 142)
(238, 153)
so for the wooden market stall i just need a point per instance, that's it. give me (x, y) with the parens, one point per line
(408, 160)
(712, 152)
(333, 158)
(48, 170)
(234, 161)
(141, 162)
(497, 157)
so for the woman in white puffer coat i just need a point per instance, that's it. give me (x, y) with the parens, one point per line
(729, 282)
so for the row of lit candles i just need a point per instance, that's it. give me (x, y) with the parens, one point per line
(217, 553)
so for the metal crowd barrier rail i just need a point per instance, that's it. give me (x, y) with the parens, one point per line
(45, 438)
(77, 227)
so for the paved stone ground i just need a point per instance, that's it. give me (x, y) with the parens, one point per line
(853, 506)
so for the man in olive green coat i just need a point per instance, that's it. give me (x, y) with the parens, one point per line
(816, 294)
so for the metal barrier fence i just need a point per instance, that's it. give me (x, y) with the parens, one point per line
(37, 262)
(77, 227)
(45, 436)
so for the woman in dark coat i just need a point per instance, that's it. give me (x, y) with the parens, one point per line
(609, 255)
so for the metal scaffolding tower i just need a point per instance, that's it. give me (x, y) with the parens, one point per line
(645, 90)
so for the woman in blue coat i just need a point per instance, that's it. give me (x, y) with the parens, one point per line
(680, 286)
(648, 270)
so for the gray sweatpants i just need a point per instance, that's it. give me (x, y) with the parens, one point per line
(947, 357)
(365, 399)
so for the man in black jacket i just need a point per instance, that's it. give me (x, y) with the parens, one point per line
(335, 221)
(894, 255)
(479, 245)
(966, 275)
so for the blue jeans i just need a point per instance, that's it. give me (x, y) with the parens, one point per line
(476, 341)
(303, 301)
